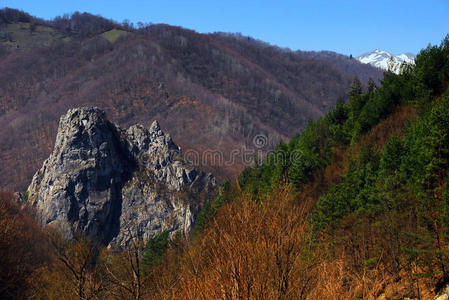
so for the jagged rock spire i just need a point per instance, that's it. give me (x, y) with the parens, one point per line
(113, 184)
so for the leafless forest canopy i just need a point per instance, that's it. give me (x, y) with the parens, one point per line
(209, 91)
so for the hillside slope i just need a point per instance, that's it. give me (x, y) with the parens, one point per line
(212, 92)
(355, 207)
(370, 184)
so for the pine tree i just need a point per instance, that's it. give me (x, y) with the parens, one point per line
(155, 250)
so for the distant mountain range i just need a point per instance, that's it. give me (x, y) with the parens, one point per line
(382, 59)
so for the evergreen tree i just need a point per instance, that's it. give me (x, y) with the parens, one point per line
(155, 250)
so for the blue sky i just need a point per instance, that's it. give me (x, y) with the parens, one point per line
(349, 27)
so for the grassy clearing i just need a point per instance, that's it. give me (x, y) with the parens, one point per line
(23, 35)
(113, 35)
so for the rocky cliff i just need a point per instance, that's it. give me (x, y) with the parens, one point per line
(114, 184)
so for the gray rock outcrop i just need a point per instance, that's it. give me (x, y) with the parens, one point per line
(113, 184)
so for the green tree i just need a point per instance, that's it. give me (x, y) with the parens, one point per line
(155, 250)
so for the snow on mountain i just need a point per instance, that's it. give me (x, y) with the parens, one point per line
(382, 59)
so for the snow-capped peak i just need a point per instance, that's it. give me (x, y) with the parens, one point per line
(383, 59)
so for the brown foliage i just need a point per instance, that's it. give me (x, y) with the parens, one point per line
(251, 251)
(82, 269)
(74, 273)
(123, 270)
(393, 125)
(21, 248)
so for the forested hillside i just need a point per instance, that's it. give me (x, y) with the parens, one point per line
(355, 207)
(370, 182)
(212, 92)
